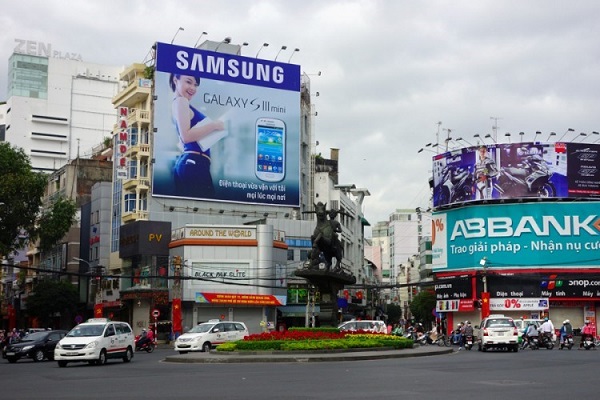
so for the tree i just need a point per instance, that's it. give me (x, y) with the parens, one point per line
(51, 297)
(422, 306)
(55, 222)
(21, 191)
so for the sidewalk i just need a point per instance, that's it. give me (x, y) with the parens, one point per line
(305, 356)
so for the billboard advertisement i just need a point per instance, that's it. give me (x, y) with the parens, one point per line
(516, 170)
(518, 235)
(227, 127)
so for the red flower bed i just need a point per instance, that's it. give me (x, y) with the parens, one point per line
(295, 335)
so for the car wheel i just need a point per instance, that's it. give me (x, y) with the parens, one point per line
(62, 364)
(206, 347)
(483, 348)
(38, 356)
(11, 360)
(128, 355)
(101, 358)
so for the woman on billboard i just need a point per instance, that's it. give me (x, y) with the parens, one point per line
(192, 168)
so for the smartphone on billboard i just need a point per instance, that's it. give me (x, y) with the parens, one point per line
(270, 149)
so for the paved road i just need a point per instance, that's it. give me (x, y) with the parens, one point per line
(460, 375)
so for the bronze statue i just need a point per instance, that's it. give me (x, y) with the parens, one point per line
(325, 240)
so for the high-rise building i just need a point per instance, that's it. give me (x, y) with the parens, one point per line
(58, 107)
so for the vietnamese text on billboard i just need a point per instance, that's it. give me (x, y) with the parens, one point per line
(517, 170)
(520, 235)
(227, 127)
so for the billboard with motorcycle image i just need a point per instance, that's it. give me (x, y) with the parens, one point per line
(516, 170)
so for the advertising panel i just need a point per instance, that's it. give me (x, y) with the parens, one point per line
(520, 235)
(227, 127)
(144, 238)
(516, 170)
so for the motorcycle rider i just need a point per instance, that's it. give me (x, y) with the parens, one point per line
(547, 329)
(587, 331)
(467, 331)
(565, 330)
(530, 334)
(145, 338)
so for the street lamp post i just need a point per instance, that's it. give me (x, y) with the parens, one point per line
(485, 295)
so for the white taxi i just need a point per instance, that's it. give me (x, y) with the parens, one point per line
(95, 341)
(205, 336)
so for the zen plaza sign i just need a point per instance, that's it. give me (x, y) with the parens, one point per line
(33, 48)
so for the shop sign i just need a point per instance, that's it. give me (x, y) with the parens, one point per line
(519, 304)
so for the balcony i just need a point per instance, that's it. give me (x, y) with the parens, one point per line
(136, 115)
(139, 150)
(142, 183)
(135, 93)
(135, 216)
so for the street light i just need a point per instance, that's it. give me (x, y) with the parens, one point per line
(200, 37)
(485, 296)
(568, 130)
(262, 47)
(174, 36)
(294, 52)
(280, 50)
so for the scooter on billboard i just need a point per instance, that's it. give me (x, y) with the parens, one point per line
(530, 178)
(457, 184)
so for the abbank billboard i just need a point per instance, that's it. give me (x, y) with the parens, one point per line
(519, 235)
(227, 127)
(516, 170)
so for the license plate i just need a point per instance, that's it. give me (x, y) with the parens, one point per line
(499, 333)
(469, 342)
(71, 353)
(10, 354)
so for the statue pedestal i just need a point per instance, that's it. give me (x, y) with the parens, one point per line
(329, 283)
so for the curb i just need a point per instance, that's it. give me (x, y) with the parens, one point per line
(319, 356)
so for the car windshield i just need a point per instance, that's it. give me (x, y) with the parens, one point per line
(30, 337)
(202, 328)
(86, 330)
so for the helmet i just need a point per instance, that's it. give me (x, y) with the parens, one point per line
(564, 322)
(567, 321)
(468, 322)
(144, 330)
(587, 322)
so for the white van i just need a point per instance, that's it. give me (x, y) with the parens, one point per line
(205, 336)
(95, 341)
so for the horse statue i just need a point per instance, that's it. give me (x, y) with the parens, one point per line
(325, 241)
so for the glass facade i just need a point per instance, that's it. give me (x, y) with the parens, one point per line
(28, 76)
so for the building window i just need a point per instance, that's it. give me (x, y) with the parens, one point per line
(304, 255)
(290, 254)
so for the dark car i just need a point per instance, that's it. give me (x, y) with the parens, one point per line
(37, 346)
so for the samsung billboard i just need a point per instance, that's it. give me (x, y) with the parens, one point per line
(517, 170)
(227, 127)
(520, 235)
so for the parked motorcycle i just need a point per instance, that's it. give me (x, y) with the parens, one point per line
(468, 342)
(546, 341)
(530, 178)
(567, 342)
(147, 347)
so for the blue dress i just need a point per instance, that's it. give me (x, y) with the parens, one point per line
(192, 169)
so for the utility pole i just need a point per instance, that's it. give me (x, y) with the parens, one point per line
(495, 128)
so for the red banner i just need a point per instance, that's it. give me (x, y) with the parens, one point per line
(485, 304)
(98, 310)
(12, 317)
(176, 311)
(240, 299)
